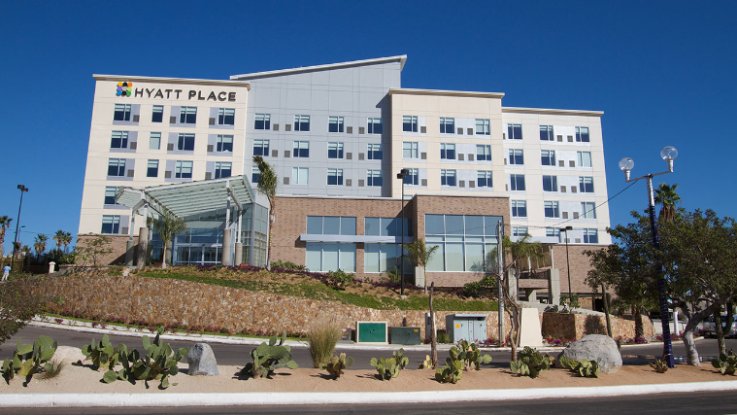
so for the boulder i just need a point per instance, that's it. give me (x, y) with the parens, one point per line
(68, 355)
(597, 347)
(202, 361)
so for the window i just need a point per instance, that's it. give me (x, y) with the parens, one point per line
(514, 131)
(586, 184)
(185, 142)
(465, 242)
(552, 209)
(375, 126)
(517, 182)
(483, 152)
(301, 149)
(584, 158)
(382, 258)
(386, 227)
(520, 231)
(119, 139)
(116, 167)
(222, 169)
(154, 140)
(335, 177)
(110, 193)
(447, 177)
(335, 150)
(110, 224)
(335, 124)
(300, 175)
(447, 125)
(373, 178)
(374, 152)
(226, 116)
(588, 210)
(546, 133)
(122, 112)
(447, 151)
(412, 177)
(590, 236)
(483, 126)
(263, 122)
(547, 157)
(152, 168)
(582, 134)
(409, 123)
(550, 183)
(188, 115)
(516, 156)
(301, 123)
(552, 233)
(410, 150)
(183, 169)
(224, 144)
(483, 178)
(261, 148)
(331, 225)
(157, 114)
(519, 208)
(330, 256)
(255, 175)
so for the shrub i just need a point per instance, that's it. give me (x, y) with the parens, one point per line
(52, 370)
(443, 337)
(286, 266)
(726, 363)
(472, 289)
(530, 363)
(336, 365)
(268, 357)
(29, 359)
(463, 356)
(338, 280)
(18, 304)
(389, 367)
(322, 338)
(659, 365)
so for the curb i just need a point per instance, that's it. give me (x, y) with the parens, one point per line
(319, 398)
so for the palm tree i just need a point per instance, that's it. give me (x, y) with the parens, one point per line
(59, 239)
(168, 226)
(420, 255)
(40, 244)
(4, 225)
(267, 183)
(66, 240)
(668, 198)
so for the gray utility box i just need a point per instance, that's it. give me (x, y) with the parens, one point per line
(404, 335)
(471, 327)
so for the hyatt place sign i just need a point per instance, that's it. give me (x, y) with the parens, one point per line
(126, 89)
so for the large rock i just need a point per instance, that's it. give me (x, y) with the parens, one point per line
(202, 361)
(68, 355)
(597, 347)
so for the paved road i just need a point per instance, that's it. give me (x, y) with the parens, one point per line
(701, 403)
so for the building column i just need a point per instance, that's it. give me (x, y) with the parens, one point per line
(252, 237)
(142, 254)
(554, 286)
(238, 243)
(129, 245)
(226, 254)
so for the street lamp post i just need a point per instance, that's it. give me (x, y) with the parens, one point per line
(668, 154)
(401, 175)
(23, 189)
(568, 266)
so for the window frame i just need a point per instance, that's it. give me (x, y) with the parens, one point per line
(261, 147)
(483, 126)
(551, 209)
(547, 133)
(301, 122)
(336, 175)
(226, 116)
(262, 121)
(516, 155)
(181, 167)
(336, 124)
(188, 115)
(371, 125)
(447, 125)
(410, 121)
(149, 168)
(300, 149)
(512, 129)
(487, 181)
(514, 182)
(448, 177)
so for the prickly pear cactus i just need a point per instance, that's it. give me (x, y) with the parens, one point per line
(29, 359)
(530, 363)
(389, 367)
(337, 364)
(101, 353)
(268, 357)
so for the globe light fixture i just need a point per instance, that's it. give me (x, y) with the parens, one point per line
(669, 153)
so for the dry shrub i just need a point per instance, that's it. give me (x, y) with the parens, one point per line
(322, 338)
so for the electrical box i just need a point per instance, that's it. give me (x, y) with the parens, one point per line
(470, 327)
(372, 332)
(404, 335)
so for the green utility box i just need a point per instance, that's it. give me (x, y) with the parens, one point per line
(372, 332)
(404, 335)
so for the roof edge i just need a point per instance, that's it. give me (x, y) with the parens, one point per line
(444, 92)
(402, 59)
(168, 80)
(521, 110)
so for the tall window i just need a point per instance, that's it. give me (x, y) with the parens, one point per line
(483, 126)
(110, 224)
(262, 122)
(188, 115)
(223, 169)
(519, 208)
(447, 151)
(520, 231)
(335, 124)
(514, 131)
(261, 148)
(552, 233)
(183, 169)
(301, 149)
(465, 243)
(409, 123)
(516, 156)
(588, 210)
(152, 168)
(586, 184)
(550, 183)
(335, 150)
(185, 142)
(590, 236)
(301, 123)
(483, 178)
(224, 143)
(331, 256)
(374, 152)
(582, 134)
(412, 177)
(547, 157)
(410, 150)
(116, 167)
(552, 209)
(373, 178)
(122, 112)
(110, 192)
(157, 114)
(335, 177)
(447, 125)
(517, 182)
(255, 175)
(226, 116)
(584, 158)
(375, 126)
(154, 140)
(546, 133)
(483, 152)
(119, 139)
(300, 176)
(447, 177)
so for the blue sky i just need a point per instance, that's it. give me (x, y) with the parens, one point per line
(664, 73)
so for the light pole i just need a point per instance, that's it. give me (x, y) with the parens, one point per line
(668, 154)
(23, 189)
(568, 266)
(401, 175)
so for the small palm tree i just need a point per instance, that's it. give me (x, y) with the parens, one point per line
(668, 198)
(66, 240)
(267, 183)
(419, 254)
(40, 244)
(168, 226)
(59, 239)
(4, 225)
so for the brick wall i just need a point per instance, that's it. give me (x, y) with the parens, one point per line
(580, 266)
(117, 245)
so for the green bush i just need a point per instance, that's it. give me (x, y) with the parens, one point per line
(443, 337)
(476, 289)
(338, 280)
(18, 304)
(287, 265)
(322, 338)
